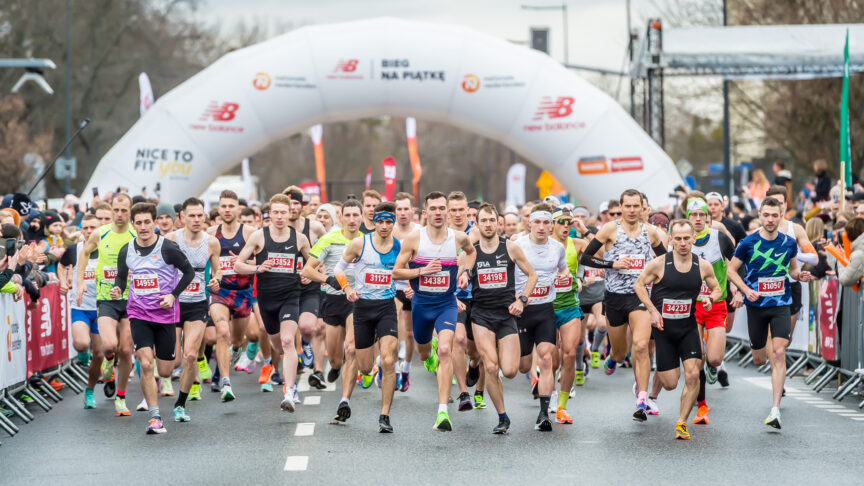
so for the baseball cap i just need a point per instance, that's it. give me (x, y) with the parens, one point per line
(604, 206)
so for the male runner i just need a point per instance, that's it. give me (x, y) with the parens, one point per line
(677, 279)
(404, 226)
(310, 292)
(112, 319)
(85, 330)
(628, 245)
(158, 272)
(276, 249)
(537, 324)
(373, 294)
(769, 260)
(493, 283)
(371, 198)
(199, 248)
(428, 259)
(591, 300)
(231, 306)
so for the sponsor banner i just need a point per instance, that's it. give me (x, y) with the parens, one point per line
(310, 187)
(316, 132)
(369, 177)
(413, 155)
(248, 186)
(146, 98)
(827, 311)
(389, 165)
(799, 337)
(516, 185)
(13, 342)
(47, 330)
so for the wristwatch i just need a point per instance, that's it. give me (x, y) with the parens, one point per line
(523, 299)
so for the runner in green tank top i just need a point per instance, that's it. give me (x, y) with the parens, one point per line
(112, 319)
(568, 315)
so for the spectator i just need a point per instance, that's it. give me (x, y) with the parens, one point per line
(758, 186)
(822, 182)
(852, 273)
(815, 229)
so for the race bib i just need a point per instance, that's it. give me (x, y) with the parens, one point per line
(772, 286)
(226, 266)
(637, 264)
(597, 273)
(299, 264)
(676, 309)
(145, 283)
(194, 289)
(438, 282)
(540, 291)
(564, 285)
(377, 279)
(108, 274)
(282, 262)
(704, 292)
(492, 278)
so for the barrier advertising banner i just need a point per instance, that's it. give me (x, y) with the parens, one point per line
(47, 330)
(829, 304)
(13, 343)
(800, 337)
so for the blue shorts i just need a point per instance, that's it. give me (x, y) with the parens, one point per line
(438, 314)
(567, 314)
(86, 316)
(238, 302)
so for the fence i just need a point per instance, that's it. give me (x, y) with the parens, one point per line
(827, 336)
(35, 346)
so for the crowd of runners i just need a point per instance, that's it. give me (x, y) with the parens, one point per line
(359, 292)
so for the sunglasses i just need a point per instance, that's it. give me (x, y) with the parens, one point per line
(564, 222)
(615, 214)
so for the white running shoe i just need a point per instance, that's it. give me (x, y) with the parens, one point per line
(142, 407)
(242, 363)
(653, 409)
(553, 402)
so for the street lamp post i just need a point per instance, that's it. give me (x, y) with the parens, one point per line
(563, 9)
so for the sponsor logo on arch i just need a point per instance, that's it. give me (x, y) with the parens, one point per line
(263, 81)
(554, 113)
(471, 83)
(599, 164)
(218, 116)
(168, 163)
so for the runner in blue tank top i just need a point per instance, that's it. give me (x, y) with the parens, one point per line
(428, 260)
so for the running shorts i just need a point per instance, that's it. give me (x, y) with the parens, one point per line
(374, 319)
(115, 309)
(336, 310)
(238, 302)
(275, 310)
(498, 320)
(464, 318)
(87, 317)
(434, 314)
(760, 319)
(716, 318)
(155, 335)
(618, 307)
(321, 301)
(795, 288)
(676, 343)
(193, 311)
(567, 314)
(406, 302)
(310, 299)
(587, 308)
(536, 325)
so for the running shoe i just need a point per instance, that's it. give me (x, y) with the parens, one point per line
(175, 375)
(307, 357)
(316, 380)
(579, 380)
(384, 425)
(343, 413)
(296, 396)
(534, 388)
(572, 391)
(250, 368)
(376, 372)
(442, 422)
(84, 358)
(214, 380)
(710, 374)
(266, 387)
(155, 426)
(242, 363)
(166, 389)
(120, 408)
(431, 363)
(701, 415)
(595, 359)
(398, 381)
(723, 378)
(227, 393)
(553, 402)
(406, 382)
(543, 423)
(502, 427)
(89, 399)
(641, 413)
(366, 381)
(110, 388)
(180, 414)
(479, 404)
(472, 375)
(142, 407)
(276, 378)
(108, 369)
(25, 398)
(333, 374)
(635, 390)
(236, 353)
(6, 412)
(214, 386)
(465, 402)
(204, 370)
(773, 418)
(562, 416)
(287, 404)
(609, 365)
(195, 392)
(653, 409)
(681, 431)
(266, 371)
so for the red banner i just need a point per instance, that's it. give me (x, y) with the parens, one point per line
(413, 154)
(828, 319)
(369, 177)
(310, 187)
(316, 132)
(47, 330)
(389, 165)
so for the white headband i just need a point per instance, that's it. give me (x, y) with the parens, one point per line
(538, 215)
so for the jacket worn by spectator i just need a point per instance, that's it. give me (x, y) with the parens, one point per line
(852, 273)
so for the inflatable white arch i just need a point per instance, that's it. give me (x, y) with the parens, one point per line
(338, 72)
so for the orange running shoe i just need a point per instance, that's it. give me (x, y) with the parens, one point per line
(702, 415)
(562, 416)
(57, 385)
(266, 371)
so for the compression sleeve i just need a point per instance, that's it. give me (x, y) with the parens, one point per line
(590, 260)
(122, 269)
(808, 254)
(341, 265)
(659, 249)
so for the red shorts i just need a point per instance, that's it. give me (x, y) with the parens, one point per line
(715, 318)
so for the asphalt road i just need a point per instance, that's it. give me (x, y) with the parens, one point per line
(250, 441)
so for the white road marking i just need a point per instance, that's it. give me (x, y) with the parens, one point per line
(296, 463)
(829, 405)
(851, 414)
(305, 429)
(857, 418)
(303, 386)
(312, 400)
(835, 410)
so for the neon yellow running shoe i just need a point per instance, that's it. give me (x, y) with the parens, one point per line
(443, 423)
(195, 391)
(431, 363)
(595, 359)
(366, 381)
(579, 379)
(204, 370)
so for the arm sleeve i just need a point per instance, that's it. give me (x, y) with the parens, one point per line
(172, 255)
(562, 260)
(590, 260)
(659, 250)
(70, 256)
(122, 269)
(8, 288)
(727, 248)
(5, 277)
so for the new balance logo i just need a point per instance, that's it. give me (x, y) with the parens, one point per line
(559, 107)
(220, 113)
